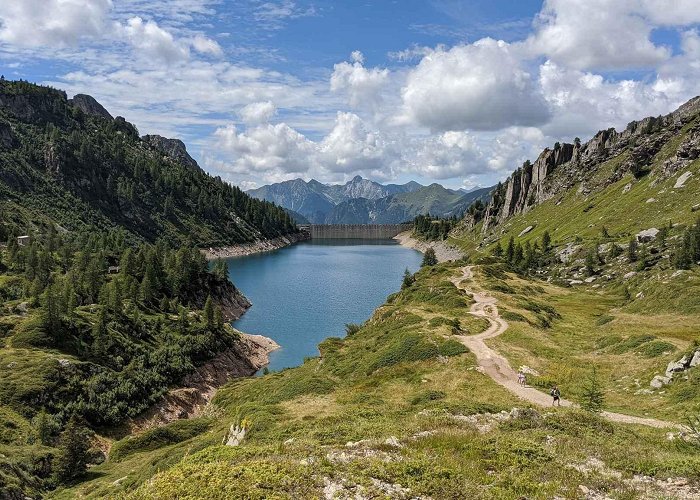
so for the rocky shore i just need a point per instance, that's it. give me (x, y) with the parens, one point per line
(443, 251)
(249, 355)
(256, 247)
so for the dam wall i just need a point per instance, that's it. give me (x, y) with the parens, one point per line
(356, 231)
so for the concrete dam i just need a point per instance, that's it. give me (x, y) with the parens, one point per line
(355, 231)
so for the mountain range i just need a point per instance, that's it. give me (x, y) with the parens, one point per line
(363, 201)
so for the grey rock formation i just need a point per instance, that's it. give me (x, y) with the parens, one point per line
(647, 235)
(89, 105)
(174, 148)
(659, 381)
(558, 169)
(7, 138)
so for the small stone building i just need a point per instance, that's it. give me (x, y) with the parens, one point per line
(23, 240)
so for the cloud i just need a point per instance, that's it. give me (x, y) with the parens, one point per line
(153, 42)
(350, 147)
(276, 148)
(600, 34)
(362, 86)
(35, 23)
(481, 86)
(205, 45)
(257, 112)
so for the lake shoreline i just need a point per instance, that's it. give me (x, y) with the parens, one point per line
(443, 251)
(260, 246)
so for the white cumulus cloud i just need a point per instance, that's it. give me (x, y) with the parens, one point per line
(34, 23)
(363, 86)
(482, 86)
(257, 112)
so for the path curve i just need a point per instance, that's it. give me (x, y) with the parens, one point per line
(497, 367)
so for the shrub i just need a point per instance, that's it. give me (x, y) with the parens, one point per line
(152, 439)
(427, 396)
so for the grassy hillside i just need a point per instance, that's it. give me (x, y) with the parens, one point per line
(398, 409)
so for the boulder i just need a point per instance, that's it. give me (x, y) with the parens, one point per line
(680, 182)
(677, 366)
(659, 381)
(629, 275)
(526, 230)
(696, 359)
(647, 235)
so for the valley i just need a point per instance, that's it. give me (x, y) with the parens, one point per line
(126, 373)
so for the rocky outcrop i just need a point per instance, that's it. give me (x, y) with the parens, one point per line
(89, 105)
(261, 246)
(7, 138)
(443, 251)
(674, 368)
(245, 358)
(560, 168)
(173, 148)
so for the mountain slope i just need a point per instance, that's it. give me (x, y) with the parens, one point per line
(361, 201)
(68, 162)
(433, 199)
(315, 200)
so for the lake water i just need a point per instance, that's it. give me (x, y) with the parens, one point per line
(307, 292)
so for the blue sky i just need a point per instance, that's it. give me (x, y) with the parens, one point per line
(459, 92)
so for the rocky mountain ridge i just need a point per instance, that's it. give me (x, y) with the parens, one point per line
(362, 201)
(558, 169)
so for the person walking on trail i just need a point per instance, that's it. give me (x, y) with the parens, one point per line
(556, 396)
(521, 378)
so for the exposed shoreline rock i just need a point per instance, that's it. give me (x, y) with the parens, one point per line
(443, 251)
(261, 246)
(244, 359)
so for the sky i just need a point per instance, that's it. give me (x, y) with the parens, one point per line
(455, 92)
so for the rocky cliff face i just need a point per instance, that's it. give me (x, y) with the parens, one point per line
(174, 148)
(88, 105)
(558, 169)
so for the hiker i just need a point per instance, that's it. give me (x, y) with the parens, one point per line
(556, 396)
(521, 378)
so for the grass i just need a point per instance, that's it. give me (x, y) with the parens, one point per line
(391, 378)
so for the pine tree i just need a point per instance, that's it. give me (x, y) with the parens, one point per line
(73, 446)
(43, 427)
(497, 250)
(408, 279)
(209, 313)
(590, 262)
(219, 318)
(546, 242)
(510, 250)
(51, 310)
(593, 396)
(643, 258)
(429, 258)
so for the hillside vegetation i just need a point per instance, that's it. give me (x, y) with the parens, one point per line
(86, 171)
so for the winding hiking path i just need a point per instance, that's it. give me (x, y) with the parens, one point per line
(497, 367)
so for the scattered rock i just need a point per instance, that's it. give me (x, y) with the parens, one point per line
(393, 441)
(680, 182)
(575, 282)
(235, 435)
(629, 275)
(659, 381)
(647, 235)
(651, 200)
(590, 279)
(627, 188)
(526, 230)
(695, 208)
(640, 295)
(696, 359)
(64, 362)
(677, 366)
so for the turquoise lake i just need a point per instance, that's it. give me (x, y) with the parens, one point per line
(307, 292)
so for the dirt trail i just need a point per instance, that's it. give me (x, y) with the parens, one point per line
(497, 367)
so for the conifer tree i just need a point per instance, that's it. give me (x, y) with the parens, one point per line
(632, 251)
(209, 313)
(219, 318)
(593, 396)
(73, 446)
(429, 258)
(408, 279)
